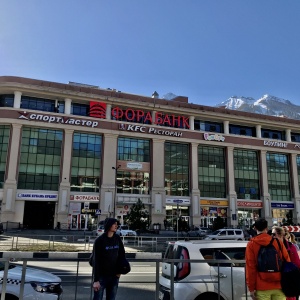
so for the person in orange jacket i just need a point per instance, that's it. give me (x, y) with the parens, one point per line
(263, 286)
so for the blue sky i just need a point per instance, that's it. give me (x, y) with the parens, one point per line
(207, 50)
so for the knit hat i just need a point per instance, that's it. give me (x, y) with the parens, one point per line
(108, 223)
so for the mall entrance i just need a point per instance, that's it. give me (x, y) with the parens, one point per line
(39, 215)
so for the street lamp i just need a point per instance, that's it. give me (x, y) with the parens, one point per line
(115, 196)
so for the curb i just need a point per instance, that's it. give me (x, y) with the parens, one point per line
(71, 255)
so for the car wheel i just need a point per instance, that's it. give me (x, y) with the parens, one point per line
(210, 296)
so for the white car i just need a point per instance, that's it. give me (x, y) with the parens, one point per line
(199, 280)
(123, 230)
(226, 234)
(99, 231)
(39, 285)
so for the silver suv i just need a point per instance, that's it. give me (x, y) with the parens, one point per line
(199, 280)
(226, 234)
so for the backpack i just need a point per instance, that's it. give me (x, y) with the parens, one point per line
(268, 259)
(290, 278)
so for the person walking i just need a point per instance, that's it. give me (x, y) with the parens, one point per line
(263, 285)
(108, 251)
(284, 236)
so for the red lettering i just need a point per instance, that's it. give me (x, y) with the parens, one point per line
(176, 120)
(139, 115)
(167, 120)
(185, 121)
(127, 114)
(158, 118)
(148, 117)
(117, 113)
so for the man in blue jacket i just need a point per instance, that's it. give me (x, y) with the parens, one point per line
(108, 251)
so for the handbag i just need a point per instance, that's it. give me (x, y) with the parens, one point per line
(123, 266)
(290, 278)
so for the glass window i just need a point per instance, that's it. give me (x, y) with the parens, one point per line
(40, 162)
(4, 140)
(80, 109)
(295, 137)
(246, 174)
(212, 173)
(176, 169)
(7, 100)
(208, 126)
(278, 177)
(86, 162)
(132, 182)
(133, 149)
(242, 130)
(130, 115)
(273, 134)
(38, 104)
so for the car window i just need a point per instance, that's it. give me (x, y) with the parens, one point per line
(124, 227)
(230, 232)
(216, 232)
(169, 251)
(224, 254)
(223, 232)
(238, 232)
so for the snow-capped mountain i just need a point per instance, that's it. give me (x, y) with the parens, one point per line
(267, 105)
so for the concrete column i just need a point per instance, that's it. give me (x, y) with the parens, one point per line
(10, 185)
(108, 186)
(158, 195)
(226, 127)
(266, 198)
(108, 111)
(195, 192)
(17, 99)
(68, 103)
(295, 187)
(231, 187)
(191, 122)
(288, 135)
(258, 131)
(64, 187)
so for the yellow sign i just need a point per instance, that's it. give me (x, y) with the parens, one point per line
(214, 202)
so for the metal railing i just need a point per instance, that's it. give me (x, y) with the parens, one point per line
(212, 284)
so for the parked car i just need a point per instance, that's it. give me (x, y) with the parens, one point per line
(226, 234)
(123, 230)
(196, 232)
(39, 285)
(99, 230)
(199, 281)
(206, 229)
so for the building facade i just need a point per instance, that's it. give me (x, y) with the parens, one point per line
(74, 154)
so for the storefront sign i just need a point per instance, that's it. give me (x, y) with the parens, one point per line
(140, 116)
(56, 119)
(178, 201)
(151, 130)
(214, 202)
(213, 211)
(214, 137)
(282, 205)
(37, 196)
(88, 211)
(249, 204)
(134, 166)
(85, 197)
(275, 144)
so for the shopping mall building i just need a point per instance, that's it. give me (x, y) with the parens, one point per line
(73, 154)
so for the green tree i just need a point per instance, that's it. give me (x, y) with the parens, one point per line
(138, 217)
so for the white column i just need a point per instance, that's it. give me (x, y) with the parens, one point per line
(267, 213)
(17, 99)
(226, 127)
(295, 187)
(153, 117)
(192, 119)
(68, 102)
(258, 131)
(288, 135)
(108, 111)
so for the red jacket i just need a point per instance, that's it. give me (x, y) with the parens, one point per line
(257, 280)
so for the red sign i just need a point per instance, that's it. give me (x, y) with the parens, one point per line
(98, 110)
(249, 204)
(139, 116)
(292, 228)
